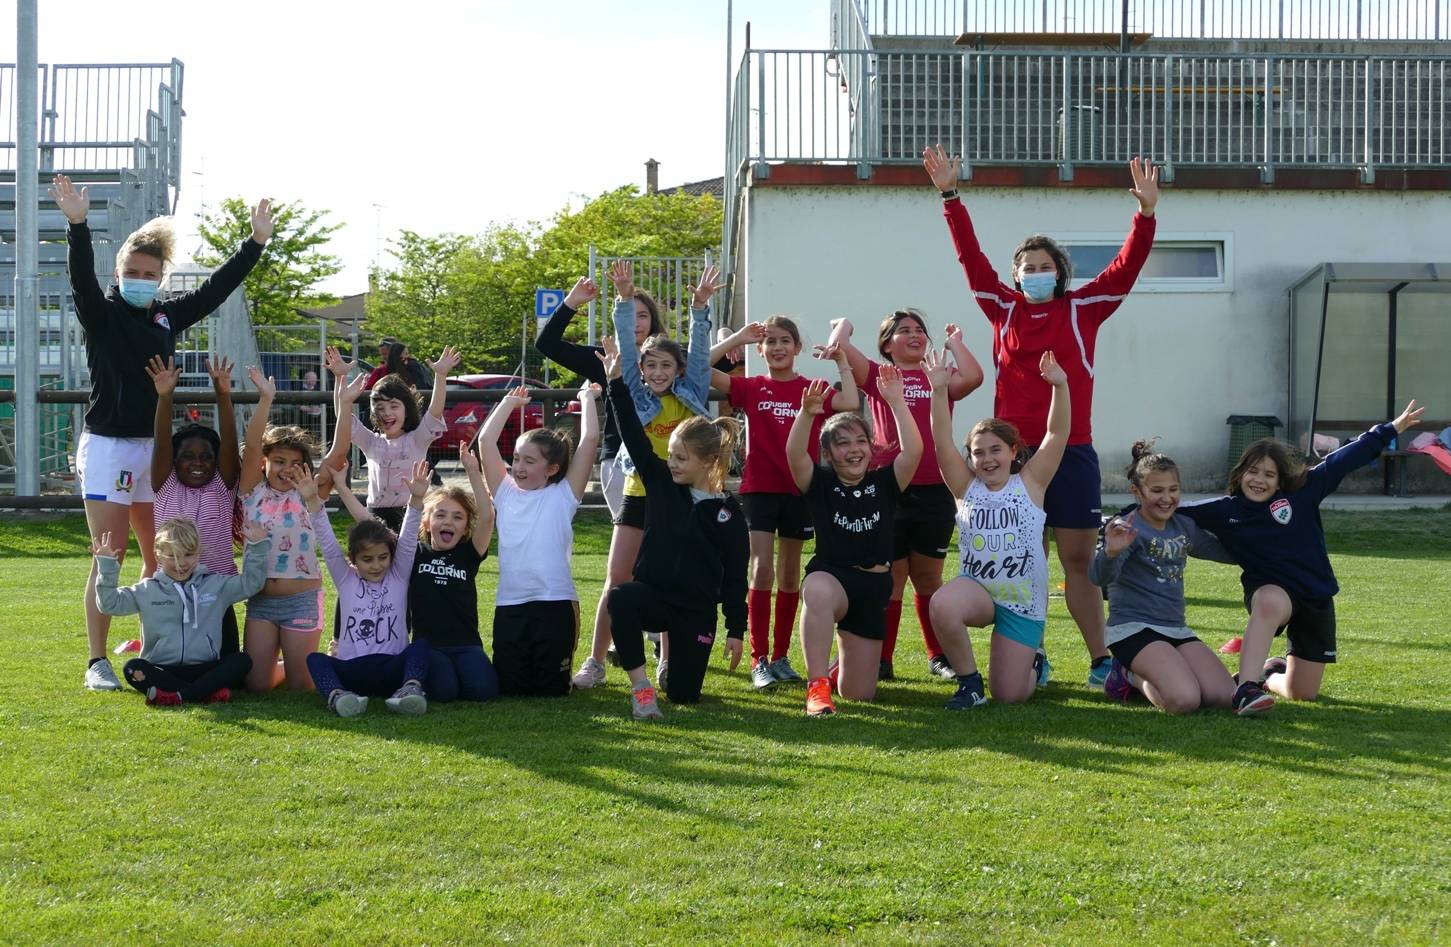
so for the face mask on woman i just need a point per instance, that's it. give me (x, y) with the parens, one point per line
(1038, 287)
(139, 292)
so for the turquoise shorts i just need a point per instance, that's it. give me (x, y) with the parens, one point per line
(1014, 627)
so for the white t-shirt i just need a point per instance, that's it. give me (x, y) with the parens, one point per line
(536, 539)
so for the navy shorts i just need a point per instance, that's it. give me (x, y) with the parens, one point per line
(866, 598)
(1310, 630)
(926, 516)
(1074, 499)
(781, 513)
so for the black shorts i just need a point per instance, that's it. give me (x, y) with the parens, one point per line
(866, 598)
(1311, 628)
(781, 513)
(1126, 649)
(632, 512)
(926, 515)
(533, 647)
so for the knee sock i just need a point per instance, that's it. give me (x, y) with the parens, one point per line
(785, 623)
(758, 620)
(923, 605)
(894, 621)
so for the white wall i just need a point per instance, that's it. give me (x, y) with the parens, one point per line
(1172, 364)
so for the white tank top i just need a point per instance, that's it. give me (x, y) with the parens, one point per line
(1000, 534)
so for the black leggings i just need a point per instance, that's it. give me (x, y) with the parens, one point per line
(370, 675)
(193, 682)
(636, 608)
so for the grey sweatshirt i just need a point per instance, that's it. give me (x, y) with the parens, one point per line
(181, 622)
(1145, 582)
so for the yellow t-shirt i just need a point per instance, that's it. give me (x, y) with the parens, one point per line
(659, 428)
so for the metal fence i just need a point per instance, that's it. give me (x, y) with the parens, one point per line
(1171, 19)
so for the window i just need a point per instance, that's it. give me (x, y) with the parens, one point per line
(1178, 263)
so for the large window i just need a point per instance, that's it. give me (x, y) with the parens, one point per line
(1178, 263)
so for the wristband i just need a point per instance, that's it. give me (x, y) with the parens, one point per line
(949, 194)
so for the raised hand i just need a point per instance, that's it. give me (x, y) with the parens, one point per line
(945, 172)
(334, 362)
(1408, 418)
(831, 352)
(262, 224)
(309, 485)
(73, 203)
(253, 531)
(1146, 184)
(710, 284)
(448, 360)
(1051, 371)
(584, 291)
(935, 364)
(164, 375)
(622, 276)
(351, 391)
(418, 484)
(469, 461)
(953, 332)
(516, 398)
(813, 398)
(219, 368)
(103, 547)
(610, 357)
(266, 386)
(889, 383)
(588, 392)
(1119, 533)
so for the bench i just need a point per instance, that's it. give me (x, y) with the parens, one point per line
(1397, 461)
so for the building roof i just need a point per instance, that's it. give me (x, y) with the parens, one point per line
(715, 187)
(351, 310)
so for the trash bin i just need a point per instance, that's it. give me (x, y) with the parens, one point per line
(1245, 429)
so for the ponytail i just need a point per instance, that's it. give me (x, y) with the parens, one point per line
(713, 441)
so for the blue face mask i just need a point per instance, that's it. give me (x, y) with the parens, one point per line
(139, 292)
(1038, 287)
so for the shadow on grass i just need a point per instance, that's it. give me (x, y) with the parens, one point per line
(589, 742)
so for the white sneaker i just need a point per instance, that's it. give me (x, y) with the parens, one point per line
(591, 673)
(348, 704)
(643, 705)
(102, 677)
(408, 699)
(662, 675)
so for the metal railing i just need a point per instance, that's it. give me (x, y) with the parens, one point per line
(668, 279)
(1169, 19)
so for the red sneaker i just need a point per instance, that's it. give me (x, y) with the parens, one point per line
(160, 698)
(818, 698)
(1231, 646)
(222, 695)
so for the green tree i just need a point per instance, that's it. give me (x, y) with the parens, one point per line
(292, 266)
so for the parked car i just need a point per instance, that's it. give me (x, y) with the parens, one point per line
(466, 417)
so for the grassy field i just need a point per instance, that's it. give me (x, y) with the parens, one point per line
(1069, 820)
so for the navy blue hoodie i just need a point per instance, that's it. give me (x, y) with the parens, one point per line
(1281, 542)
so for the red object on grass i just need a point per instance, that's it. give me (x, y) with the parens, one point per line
(1231, 646)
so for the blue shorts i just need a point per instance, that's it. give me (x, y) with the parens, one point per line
(297, 612)
(1014, 627)
(1074, 499)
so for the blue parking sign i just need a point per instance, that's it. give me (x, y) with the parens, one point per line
(546, 301)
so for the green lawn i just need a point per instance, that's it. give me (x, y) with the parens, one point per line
(1069, 820)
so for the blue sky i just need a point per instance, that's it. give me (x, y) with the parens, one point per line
(448, 114)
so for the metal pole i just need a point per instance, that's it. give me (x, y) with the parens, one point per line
(27, 246)
(725, 236)
(592, 275)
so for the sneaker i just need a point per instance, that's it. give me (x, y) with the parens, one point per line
(761, 676)
(612, 657)
(222, 695)
(644, 704)
(591, 674)
(1276, 666)
(818, 698)
(1044, 669)
(939, 666)
(1116, 685)
(662, 675)
(347, 704)
(884, 672)
(160, 698)
(969, 694)
(102, 677)
(1231, 646)
(1251, 699)
(408, 699)
(785, 673)
(1098, 671)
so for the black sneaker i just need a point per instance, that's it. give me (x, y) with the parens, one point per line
(969, 694)
(884, 672)
(1276, 666)
(941, 667)
(1251, 699)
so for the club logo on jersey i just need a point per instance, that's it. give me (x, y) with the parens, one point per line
(724, 516)
(124, 481)
(1280, 510)
(161, 320)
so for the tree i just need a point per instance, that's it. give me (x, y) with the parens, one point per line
(292, 266)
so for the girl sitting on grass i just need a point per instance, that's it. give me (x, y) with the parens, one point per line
(1141, 565)
(1270, 524)
(374, 657)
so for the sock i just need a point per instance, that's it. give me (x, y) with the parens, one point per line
(93, 662)
(785, 623)
(894, 621)
(929, 634)
(758, 620)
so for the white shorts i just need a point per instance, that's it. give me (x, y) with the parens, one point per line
(612, 483)
(115, 469)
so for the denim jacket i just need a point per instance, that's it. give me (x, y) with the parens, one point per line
(693, 389)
